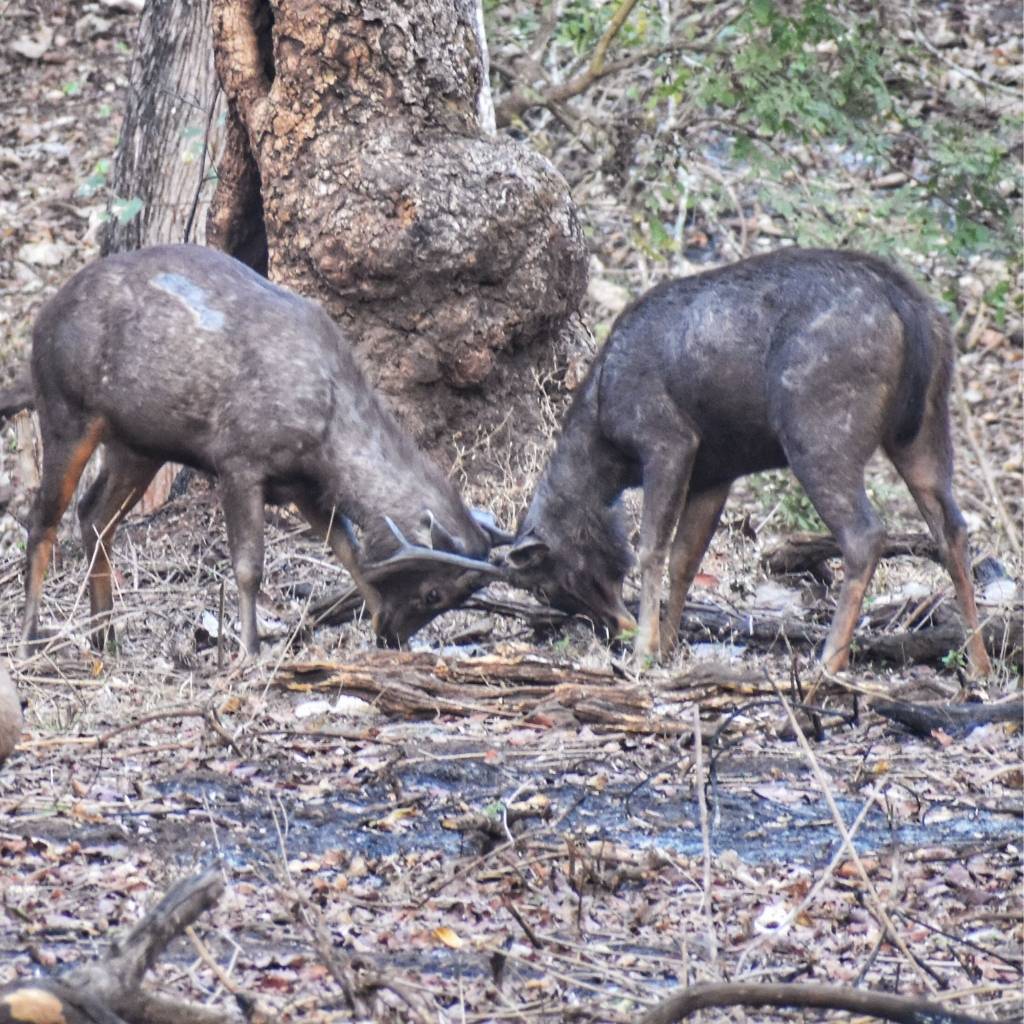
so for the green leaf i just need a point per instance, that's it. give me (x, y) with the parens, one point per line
(126, 209)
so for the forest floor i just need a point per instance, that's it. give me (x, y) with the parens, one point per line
(495, 825)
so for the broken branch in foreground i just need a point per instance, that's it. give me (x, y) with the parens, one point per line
(108, 991)
(902, 1009)
(925, 718)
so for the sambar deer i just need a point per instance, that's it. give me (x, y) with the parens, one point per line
(180, 353)
(806, 358)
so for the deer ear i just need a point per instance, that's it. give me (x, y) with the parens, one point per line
(527, 552)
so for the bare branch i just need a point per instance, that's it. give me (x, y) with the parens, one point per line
(901, 1009)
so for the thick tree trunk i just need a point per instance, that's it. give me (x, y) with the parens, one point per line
(362, 168)
(173, 130)
(173, 135)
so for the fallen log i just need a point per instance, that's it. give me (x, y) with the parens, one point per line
(109, 991)
(924, 719)
(423, 685)
(1004, 635)
(807, 552)
(883, 1005)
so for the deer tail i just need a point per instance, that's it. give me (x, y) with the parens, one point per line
(925, 343)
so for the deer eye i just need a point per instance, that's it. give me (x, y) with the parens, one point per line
(431, 598)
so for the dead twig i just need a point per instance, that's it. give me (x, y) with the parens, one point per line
(902, 1009)
(108, 991)
(871, 900)
(507, 903)
(705, 833)
(369, 991)
(208, 714)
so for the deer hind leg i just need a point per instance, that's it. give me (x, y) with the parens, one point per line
(693, 535)
(926, 465)
(66, 451)
(666, 478)
(243, 500)
(122, 481)
(837, 492)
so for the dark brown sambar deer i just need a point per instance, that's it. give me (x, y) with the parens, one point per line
(180, 353)
(806, 358)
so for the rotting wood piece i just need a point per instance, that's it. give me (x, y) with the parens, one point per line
(497, 825)
(108, 991)
(924, 719)
(1004, 635)
(415, 684)
(807, 552)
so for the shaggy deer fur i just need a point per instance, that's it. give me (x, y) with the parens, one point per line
(803, 358)
(179, 353)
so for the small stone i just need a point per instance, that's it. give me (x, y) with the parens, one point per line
(44, 254)
(33, 47)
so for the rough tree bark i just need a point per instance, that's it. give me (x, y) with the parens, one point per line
(173, 129)
(356, 161)
(362, 166)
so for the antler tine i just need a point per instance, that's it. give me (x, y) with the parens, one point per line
(403, 544)
(408, 553)
(484, 518)
(428, 556)
(350, 534)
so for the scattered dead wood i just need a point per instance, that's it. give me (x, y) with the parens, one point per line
(423, 685)
(938, 628)
(807, 552)
(371, 993)
(1004, 635)
(499, 824)
(108, 991)
(902, 1009)
(415, 684)
(924, 719)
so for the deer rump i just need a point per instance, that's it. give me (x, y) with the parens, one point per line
(806, 358)
(180, 353)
